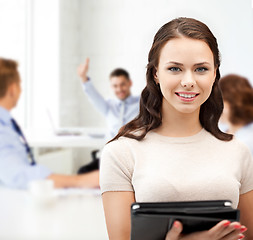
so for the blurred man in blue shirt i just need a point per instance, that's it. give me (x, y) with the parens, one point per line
(117, 111)
(17, 164)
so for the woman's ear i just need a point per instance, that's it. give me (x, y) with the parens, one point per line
(215, 70)
(156, 78)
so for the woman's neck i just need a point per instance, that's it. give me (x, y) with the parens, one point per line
(178, 124)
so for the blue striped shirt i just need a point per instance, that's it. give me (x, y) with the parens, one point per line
(15, 168)
(111, 109)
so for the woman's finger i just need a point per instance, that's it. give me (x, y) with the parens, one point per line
(220, 230)
(234, 231)
(175, 231)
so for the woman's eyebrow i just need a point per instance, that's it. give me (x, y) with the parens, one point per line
(176, 63)
(180, 64)
(202, 63)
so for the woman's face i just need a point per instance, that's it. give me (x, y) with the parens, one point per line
(186, 74)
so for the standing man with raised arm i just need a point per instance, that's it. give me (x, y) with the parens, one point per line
(117, 111)
(17, 164)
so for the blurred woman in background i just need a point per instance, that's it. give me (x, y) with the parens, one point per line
(238, 107)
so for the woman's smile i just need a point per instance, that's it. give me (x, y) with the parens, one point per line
(187, 96)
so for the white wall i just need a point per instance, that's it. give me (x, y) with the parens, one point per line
(71, 97)
(119, 33)
(13, 43)
(69, 50)
(45, 86)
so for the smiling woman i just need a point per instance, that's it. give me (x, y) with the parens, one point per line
(186, 74)
(176, 138)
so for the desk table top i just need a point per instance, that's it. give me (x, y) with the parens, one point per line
(74, 215)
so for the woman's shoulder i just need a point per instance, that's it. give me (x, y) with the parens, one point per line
(122, 144)
(234, 145)
(120, 141)
(241, 145)
(127, 144)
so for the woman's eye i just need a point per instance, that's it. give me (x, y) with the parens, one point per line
(174, 69)
(201, 69)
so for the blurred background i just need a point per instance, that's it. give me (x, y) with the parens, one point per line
(50, 38)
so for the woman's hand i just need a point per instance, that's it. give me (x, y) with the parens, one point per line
(224, 230)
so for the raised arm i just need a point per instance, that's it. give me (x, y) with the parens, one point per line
(117, 207)
(93, 95)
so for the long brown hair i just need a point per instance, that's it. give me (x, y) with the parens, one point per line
(238, 92)
(150, 116)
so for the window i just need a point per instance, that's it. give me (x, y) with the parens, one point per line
(13, 44)
(30, 35)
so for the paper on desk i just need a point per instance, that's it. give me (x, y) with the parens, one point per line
(77, 192)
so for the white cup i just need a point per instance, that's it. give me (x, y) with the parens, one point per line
(42, 191)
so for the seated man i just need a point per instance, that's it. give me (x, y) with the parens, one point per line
(17, 164)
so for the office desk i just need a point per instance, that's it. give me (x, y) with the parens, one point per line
(60, 160)
(74, 216)
(91, 137)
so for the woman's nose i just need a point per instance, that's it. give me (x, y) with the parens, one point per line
(188, 81)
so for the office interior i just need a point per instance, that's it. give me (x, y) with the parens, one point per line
(50, 38)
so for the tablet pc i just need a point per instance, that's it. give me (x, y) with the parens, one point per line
(152, 221)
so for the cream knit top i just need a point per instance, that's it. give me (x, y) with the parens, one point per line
(160, 168)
